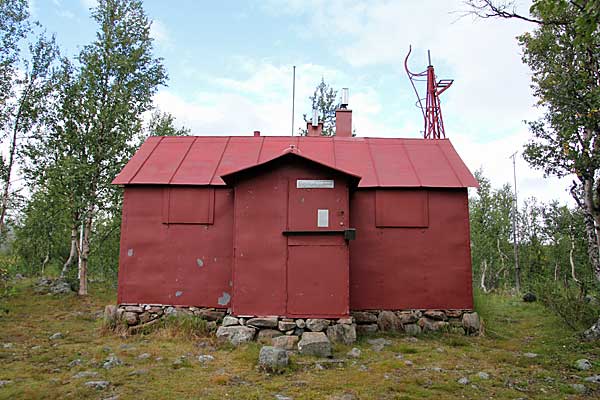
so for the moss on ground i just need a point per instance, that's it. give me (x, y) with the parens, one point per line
(41, 368)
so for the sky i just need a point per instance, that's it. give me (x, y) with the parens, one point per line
(230, 69)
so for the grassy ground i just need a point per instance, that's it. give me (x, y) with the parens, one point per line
(38, 367)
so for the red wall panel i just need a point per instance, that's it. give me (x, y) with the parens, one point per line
(401, 208)
(174, 264)
(401, 268)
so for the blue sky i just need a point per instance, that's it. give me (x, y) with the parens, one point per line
(230, 67)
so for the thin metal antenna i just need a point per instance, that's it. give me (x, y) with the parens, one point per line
(293, 98)
(516, 225)
(429, 57)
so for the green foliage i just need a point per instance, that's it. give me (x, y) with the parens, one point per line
(163, 124)
(189, 326)
(568, 302)
(324, 99)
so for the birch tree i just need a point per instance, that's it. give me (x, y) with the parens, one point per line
(103, 98)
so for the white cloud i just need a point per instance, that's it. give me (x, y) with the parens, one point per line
(159, 32)
(87, 4)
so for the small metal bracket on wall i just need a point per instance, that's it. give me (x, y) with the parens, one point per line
(350, 234)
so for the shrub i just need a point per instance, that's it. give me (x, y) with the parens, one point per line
(567, 302)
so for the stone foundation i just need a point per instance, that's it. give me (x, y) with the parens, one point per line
(414, 322)
(289, 330)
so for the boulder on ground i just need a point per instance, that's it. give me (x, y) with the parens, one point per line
(315, 343)
(285, 342)
(593, 333)
(412, 329)
(529, 297)
(364, 317)
(366, 329)
(265, 335)
(342, 333)
(236, 335)
(471, 323)
(388, 322)
(428, 325)
(273, 359)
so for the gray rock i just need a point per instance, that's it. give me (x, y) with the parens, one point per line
(144, 356)
(230, 321)
(315, 343)
(388, 322)
(7, 345)
(594, 332)
(412, 329)
(583, 364)
(138, 372)
(98, 385)
(317, 324)
(483, 375)
(579, 388)
(263, 322)
(115, 397)
(463, 381)
(354, 353)
(529, 297)
(300, 323)
(85, 374)
(430, 325)
(75, 362)
(204, 358)
(592, 379)
(366, 329)
(408, 363)
(111, 362)
(286, 325)
(346, 321)
(57, 335)
(130, 317)
(364, 317)
(407, 317)
(363, 368)
(379, 343)
(236, 334)
(285, 342)
(135, 309)
(60, 287)
(471, 323)
(437, 369)
(345, 334)
(530, 355)
(273, 359)
(282, 397)
(4, 383)
(436, 315)
(265, 335)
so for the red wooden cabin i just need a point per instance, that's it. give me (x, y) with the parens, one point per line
(296, 226)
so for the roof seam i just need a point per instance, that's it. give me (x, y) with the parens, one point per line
(262, 142)
(333, 142)
(146, 159)
(412, 167)
(450, 164)
(219, 162)
(182, 159)
(373, 162)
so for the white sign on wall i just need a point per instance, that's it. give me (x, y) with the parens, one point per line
(314, 184)
(322, 218)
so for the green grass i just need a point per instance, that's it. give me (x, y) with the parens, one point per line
(512, 328)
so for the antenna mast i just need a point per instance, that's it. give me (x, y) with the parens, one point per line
(432, 112)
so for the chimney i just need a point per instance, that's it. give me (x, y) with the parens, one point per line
(256, 133)
(314, 127)
(343, 117)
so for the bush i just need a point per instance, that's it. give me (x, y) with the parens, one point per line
(568, 303)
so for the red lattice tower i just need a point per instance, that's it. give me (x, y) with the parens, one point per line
(432, 112)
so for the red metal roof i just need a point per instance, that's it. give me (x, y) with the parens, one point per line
(380, 162)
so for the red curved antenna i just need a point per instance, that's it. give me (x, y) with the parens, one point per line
(432, 113)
